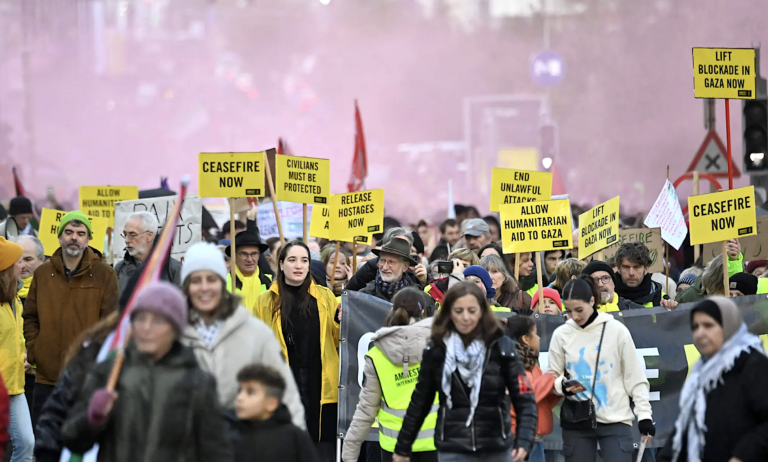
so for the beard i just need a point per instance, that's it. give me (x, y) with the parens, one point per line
(606, 297)
(74, 253)
(390, 278)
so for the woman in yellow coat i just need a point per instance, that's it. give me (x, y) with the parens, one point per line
(303, 317)
(12, 351)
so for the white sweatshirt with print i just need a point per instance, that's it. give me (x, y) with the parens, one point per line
(620, 375)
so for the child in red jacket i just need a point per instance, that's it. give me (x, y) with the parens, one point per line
(523, 329)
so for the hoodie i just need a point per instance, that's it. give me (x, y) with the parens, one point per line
(401, 345)
(620, 375)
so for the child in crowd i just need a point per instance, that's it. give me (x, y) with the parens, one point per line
(552, 303)
(523, 329)
(264, 429)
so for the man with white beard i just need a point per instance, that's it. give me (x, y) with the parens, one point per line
(604, 277)
(394, 260)
(69, 293)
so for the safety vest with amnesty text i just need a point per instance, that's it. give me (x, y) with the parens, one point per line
(396, 391)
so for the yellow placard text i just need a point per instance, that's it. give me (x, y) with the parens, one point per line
(49, 231)
(357, 214)
(99, 201)
(598, 227)
(722, 215)
(538, 226)
(304, 180)
(518, 186)
(234, 174)
(724, 73)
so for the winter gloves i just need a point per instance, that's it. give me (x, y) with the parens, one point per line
(647, 428)
(101, 404)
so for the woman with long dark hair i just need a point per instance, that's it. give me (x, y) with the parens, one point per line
(471, 365)
(303, 317)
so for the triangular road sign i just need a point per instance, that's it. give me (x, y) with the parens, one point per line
(711, 158)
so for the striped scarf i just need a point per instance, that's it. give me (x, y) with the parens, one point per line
(389, 288)
(469, 362)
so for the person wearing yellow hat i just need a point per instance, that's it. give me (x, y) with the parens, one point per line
(12, 350)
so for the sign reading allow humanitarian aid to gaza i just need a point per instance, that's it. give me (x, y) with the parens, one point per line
(356, 214)
(722, 215)
(305, 180)
(233, 174)
(517, 186)
(724, 73)
(536, 226)
(598, 227)
(99, 201)
(320, 226)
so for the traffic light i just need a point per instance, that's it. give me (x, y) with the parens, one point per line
(549, 145)
(755, 123)
(5, 140)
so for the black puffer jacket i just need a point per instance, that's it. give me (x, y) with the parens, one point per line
(491, 429)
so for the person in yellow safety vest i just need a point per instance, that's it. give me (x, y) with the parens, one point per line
(525, 262)
(250, 283)
(634, 282)
(391, 371)
(762, 284)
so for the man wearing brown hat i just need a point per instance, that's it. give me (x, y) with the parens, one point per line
(394, 260)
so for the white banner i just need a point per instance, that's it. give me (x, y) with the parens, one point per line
(667, 215)
(188, 230)
(291, 216)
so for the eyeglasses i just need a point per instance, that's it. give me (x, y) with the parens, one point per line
(132, 236)
(246, 256)
(603, 280)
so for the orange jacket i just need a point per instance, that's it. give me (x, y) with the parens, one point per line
(546, 400)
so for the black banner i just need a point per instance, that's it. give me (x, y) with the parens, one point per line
(663, 340)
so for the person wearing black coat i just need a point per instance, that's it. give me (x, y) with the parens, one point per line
(273, 440)
(471, 365)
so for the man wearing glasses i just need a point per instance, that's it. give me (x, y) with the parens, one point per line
(603, 275)
(139, 233)
(250, 282)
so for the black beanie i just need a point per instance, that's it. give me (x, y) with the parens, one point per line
(744, 282)
(20, 205)
(710, 308)
(597, 265)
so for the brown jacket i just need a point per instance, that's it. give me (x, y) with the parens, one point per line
(57, 310)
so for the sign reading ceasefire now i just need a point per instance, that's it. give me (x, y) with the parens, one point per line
(518, 186)
(304, 180)
(725, 73)
(598, 227)
(99, 201)
(320, 226)
(49, 231)
(357, 214)
(234, 174)
(536, 227)
(722, 215)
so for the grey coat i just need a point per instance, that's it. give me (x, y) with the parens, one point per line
(126, 267)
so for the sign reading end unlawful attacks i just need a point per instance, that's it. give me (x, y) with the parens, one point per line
(538, 226)
(722, 215)
(302, 179)
(725, 73)
(235, 174)
(357, 214)
(517, 186)
(599, 227)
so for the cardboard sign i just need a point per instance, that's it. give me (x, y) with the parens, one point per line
(188, 229)
(519, 186)
(320, 227)
(667, 215)
(724, 73)
(650, 237)
(304, 180)
(598, 227)
(49, 231)
(357, 214)
(234, 174)
(538, 226)
(722, 215)
(753, 247)
(99, 201)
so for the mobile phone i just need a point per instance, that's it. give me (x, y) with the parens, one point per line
(571, 383)
(445, 267)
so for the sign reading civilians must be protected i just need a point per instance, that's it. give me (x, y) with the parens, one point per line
(302, 179)
(234, 174)
(725, 73)
(518, 186)
(722, 215)
(538, 226)
(598, 227)
(357, 214)
(99, 201)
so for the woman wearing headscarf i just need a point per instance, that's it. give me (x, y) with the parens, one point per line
(723, 413)
(474, 368)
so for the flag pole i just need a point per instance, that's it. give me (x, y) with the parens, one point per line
(271, 185)
(666, 247)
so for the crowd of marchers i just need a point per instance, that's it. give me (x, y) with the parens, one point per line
(247, 369)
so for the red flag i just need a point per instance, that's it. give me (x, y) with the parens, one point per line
(17, 183)
(359, 161)
(283, 148)
(558, 187)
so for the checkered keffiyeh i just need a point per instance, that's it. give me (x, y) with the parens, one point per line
(208, 332)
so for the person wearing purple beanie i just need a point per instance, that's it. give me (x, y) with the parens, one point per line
(162, 397)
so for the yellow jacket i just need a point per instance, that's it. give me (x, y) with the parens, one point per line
(330, 333)
(12, 347)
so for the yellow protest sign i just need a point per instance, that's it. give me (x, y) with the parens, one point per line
(233, 174)
(535, 227)
(598, 227)
(517, 186)
(722, 215)
(320, 226)
(726, 73)
(49, 231)
(99, 201)
(357, 214)
(305, 180)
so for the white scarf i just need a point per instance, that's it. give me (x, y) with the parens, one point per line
(469, 361)
(705, 377)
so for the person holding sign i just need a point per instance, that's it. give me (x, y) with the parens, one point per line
(634, 281)
(250, 282)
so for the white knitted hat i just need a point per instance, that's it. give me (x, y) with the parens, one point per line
(203, 256)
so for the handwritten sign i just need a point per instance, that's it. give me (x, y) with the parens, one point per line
(304, 180)
(239, 174)
(650, 237)
(724, 73)
(357, 214)
(49, 231)
(753, 247)
(518, 186)
(722, 215)
(99, 201)
(598, 227)
(667, 215)
(536, 226)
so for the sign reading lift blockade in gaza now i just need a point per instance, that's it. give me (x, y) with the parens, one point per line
(99, 201)
(725, 73)
(536, 226)
(598, 227)
(320, 226)
(357, 214)
(234, 174)
(518, 186)
(302, 179)
(722, 215)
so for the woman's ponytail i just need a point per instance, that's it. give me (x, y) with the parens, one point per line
(407, 304)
